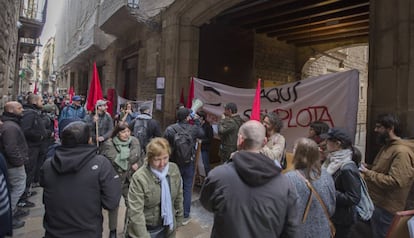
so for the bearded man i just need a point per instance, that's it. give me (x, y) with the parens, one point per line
(391, 175)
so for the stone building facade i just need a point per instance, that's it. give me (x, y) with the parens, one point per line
(21, 23)
(48, 75)
(8, 47)
(132, 45)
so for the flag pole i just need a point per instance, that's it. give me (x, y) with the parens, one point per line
(256, 103)
(96, 126)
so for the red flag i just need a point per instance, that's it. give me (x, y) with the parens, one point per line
(95, 90)
(71, 94)
(35, 88)
(256, 104)
(190, 93)
(182, 96)
(111, 100)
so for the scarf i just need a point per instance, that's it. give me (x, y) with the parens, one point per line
(166, 206)
(337, 159)
(122, 147)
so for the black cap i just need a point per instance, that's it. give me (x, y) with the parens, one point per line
(338, 134)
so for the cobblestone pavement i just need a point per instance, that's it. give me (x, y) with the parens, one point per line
(199, 226)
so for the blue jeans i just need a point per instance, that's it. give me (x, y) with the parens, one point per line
(206, 161)
(17, 180)
(187, 174)
(380, 222)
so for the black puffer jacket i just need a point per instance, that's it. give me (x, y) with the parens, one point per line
(251, 198)
(348, 194)
(12, 141)
(77, 184)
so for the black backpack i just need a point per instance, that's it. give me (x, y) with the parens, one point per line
(183, 145)
(140, 132)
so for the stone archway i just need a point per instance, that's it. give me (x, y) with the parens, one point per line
(179, 46)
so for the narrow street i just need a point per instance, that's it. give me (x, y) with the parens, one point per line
(199, 226)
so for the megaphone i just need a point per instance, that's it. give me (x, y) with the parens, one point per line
(197, 104)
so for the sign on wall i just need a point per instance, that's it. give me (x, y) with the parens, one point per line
(331, 98)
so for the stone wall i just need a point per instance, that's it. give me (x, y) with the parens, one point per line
(8, 47)
(354, 58)
(274, 60)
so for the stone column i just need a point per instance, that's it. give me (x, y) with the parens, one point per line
(180, 61)
(391, 66)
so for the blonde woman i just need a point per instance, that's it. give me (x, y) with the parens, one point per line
(155, 194)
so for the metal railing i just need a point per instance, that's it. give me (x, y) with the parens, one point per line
(34, 10)
(133, 4)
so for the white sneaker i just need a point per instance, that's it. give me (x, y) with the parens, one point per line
(186, 220)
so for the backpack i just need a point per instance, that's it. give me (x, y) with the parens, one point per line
(183, 145)
(365, 207)
(140, 132)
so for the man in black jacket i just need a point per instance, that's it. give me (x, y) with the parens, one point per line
(35, 132)
(14, 148)
(77, 184)
(144, 127)
(186, 165)
(249, 195)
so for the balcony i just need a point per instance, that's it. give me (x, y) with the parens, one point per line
(28, 45)
(115, 16)
(118, 17)
(32, 18)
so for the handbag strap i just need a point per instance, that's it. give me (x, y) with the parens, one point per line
(313, 191)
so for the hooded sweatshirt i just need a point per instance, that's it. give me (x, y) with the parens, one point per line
(250, 198)
(77, 185)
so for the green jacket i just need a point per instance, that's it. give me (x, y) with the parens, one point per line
(227, 130)
(144, 200)
(391, 176)
(109, 150)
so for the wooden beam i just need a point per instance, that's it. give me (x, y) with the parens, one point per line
(292, 27)
(295, 8)
(330, 38)
(342, 41)
(244, 10)
(326, 30)
(305, 16)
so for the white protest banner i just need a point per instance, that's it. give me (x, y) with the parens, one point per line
(332, 98)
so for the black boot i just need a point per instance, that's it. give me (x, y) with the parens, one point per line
(16, 223)
(112, 234)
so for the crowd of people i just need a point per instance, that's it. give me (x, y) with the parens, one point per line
(85, 161)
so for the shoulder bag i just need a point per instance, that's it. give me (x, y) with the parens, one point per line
(313, 191)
